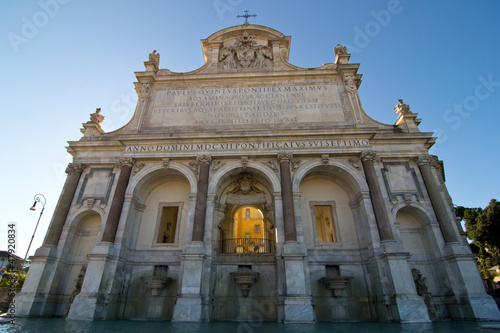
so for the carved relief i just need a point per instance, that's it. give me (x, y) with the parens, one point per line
(272, 165)
(143, 91)
(244, 162)
(199, 160)
(325, 158)
(138, 167)
(216, 165)
(226, 58)
(165, 163)
(246, 53)
(295, 164)
(355, 163)
(246, 184)
(350, 82)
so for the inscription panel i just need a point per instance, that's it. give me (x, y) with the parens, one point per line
(265, 107)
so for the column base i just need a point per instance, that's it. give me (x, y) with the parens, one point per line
(298, 309)
(412, 310)
(188, 309)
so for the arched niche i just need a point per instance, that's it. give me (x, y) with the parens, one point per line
(244, 192)
(413, 228)
(83, 239)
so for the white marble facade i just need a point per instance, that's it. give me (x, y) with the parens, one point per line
(253, 189)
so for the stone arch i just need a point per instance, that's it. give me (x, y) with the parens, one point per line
(352, 180)
(228, 201)
(231, 169)
(143, 178)
(152, 199)
(413, 224)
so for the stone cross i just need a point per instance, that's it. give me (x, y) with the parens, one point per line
(246, 16)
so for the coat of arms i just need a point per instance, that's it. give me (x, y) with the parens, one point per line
(247, 52)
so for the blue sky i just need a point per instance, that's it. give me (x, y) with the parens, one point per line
(61, 59)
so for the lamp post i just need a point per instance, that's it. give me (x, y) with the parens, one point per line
(38, 198)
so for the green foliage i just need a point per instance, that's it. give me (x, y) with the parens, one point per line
(9, 277)
(483, 227)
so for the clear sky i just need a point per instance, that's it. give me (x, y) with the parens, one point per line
(61, 59)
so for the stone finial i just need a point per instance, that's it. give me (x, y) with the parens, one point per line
(402, 108)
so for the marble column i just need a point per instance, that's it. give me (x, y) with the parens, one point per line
(383, 223)
(445, 218)
(74, 171)
(287, 195)
(200, 210)
(118, 199)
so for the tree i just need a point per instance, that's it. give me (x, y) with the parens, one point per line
(483, 229)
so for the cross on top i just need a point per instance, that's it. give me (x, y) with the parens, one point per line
(246, 16)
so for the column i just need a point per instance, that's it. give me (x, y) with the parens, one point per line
(74, 171)
(200, 210)
(287, 195)
(383, 224)
(444, 216)
(118, 199)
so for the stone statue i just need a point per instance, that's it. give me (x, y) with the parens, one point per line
(421, 286)
(96, 117)
(155, 57)
(340, 50)
(402, 108)
(262, 53)
(227, 58)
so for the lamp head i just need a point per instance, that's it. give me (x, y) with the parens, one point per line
(33, 207)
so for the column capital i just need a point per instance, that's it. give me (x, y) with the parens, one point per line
(128, 161)
(204, 159)
(368, 156)
(285, 157)
(430, 160)
(75, 167)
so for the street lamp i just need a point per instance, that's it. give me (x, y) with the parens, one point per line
(38, 198)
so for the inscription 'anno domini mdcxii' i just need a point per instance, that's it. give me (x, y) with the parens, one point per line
(246, 105)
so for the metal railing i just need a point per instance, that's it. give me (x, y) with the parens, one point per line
(246, 246)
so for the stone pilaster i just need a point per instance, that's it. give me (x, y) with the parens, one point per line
(200, 211)
(118, 199)
(74, 171)
(426, 164)
(286, 190)
(383, 223)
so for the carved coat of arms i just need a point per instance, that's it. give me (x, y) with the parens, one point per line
(246, 51)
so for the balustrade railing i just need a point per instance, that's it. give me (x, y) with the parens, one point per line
(246, 246)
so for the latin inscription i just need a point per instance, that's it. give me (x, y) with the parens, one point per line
(249, 105)
(249, 145)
